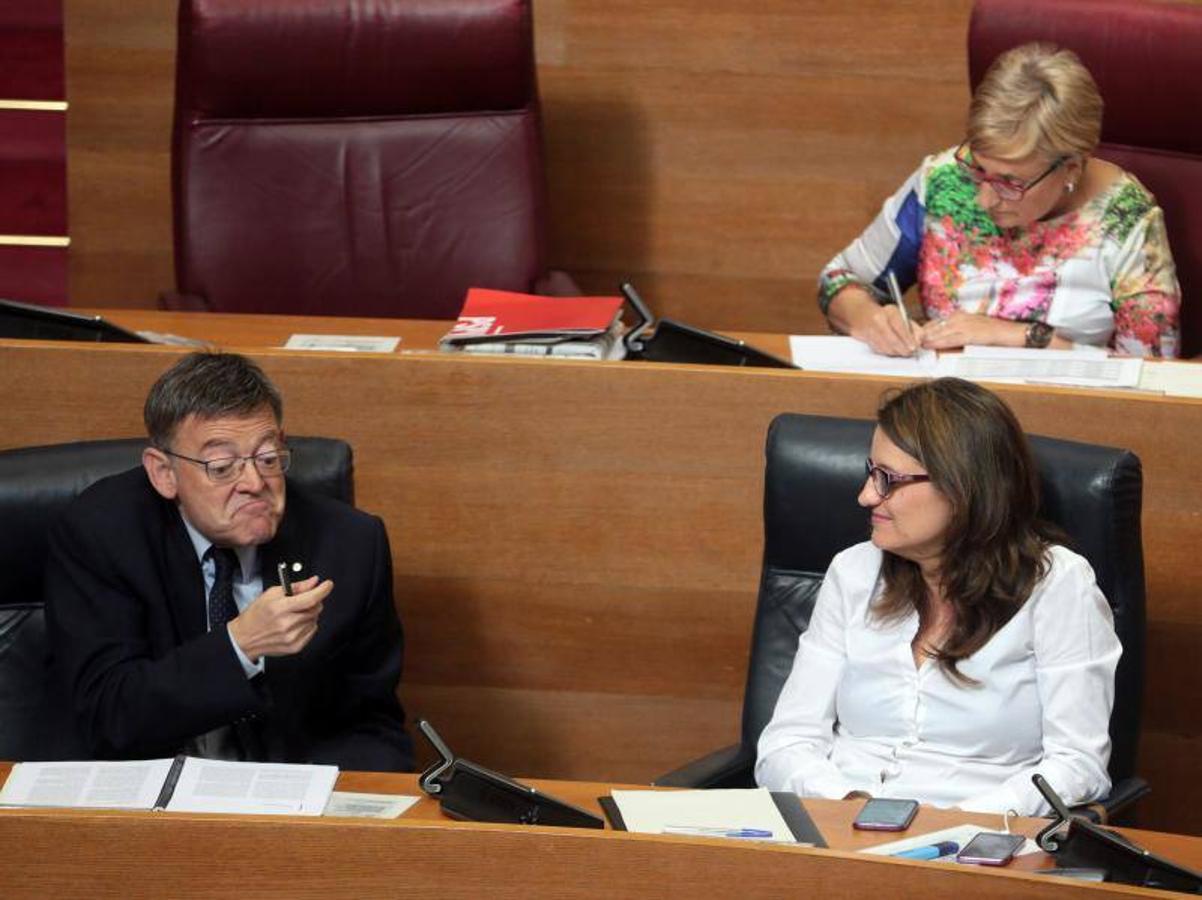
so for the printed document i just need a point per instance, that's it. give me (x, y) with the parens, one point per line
(350, 343)
(183, 784)
(212, 785)
(1081, 367)
(94, 785)
(1172, 378)
(369, 806)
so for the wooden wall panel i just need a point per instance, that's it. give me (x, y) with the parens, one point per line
(718, 152)
(722, 153)
(120, 83)
(578, 589)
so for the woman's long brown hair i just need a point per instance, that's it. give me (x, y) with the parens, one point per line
(996, 548)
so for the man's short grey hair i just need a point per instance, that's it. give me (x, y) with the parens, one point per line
(208, 386)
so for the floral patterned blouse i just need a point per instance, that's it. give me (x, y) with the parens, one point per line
(1101, 274)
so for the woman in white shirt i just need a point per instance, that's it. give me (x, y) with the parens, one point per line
(962, 649)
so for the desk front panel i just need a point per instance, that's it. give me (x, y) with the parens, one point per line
(96, 854)
(577, 546)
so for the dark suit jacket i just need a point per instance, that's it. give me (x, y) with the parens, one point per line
(125, 603)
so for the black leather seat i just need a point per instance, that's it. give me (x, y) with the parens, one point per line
(815, 469)
(36, 484)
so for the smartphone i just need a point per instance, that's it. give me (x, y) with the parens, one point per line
(886, 815)
(990, 848)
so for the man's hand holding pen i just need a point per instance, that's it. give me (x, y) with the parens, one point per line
(276, 624)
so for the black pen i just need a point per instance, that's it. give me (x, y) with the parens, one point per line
(285, 581)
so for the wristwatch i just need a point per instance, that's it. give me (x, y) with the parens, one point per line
(1039, 335)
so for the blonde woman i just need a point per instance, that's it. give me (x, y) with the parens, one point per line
(1019, 236)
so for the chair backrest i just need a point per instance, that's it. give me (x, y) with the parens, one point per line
(356, 157)
(1144, 59)
(815, 470)
(36, 484)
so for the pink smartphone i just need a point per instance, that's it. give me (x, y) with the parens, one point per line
(881, 814)
(990, 848)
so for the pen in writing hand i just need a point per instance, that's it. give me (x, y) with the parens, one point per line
(717, 831)
(895, 293)
(930, 851)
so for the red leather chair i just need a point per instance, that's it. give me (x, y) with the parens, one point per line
(1144, 57)
(355, 157)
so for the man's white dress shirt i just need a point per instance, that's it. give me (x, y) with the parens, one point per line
(248, 585)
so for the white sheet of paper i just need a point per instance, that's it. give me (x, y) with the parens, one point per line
(162, 337)
(370, 806)
(1079, 367)
(211, 785)
(700, 812)
(961, 834)
(1175, 379)
(837, 353)
(352, 343)
(99, 785)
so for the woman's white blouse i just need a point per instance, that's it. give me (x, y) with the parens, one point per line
(856, 714)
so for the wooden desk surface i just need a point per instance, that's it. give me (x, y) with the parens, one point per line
(97, 853)
(255, 332)
(576, 545)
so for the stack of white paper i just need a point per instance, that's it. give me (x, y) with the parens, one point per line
(718, 813)
(836, 353)
(1175, 379)
(1081, 366)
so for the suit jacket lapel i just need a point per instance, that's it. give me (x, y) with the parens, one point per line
(182, 576)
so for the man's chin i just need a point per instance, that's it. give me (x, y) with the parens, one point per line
(257, 530)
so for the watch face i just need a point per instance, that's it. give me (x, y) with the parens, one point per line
(1039, 334)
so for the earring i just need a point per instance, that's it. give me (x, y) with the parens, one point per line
(1071, 186)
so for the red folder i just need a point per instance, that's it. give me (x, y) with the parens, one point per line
(489, 315)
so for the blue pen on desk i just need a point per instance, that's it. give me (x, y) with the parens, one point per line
(929, 851)
(717, 831)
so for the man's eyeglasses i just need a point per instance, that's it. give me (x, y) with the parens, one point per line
(224, 469)
(883, 480)
(1005, 187)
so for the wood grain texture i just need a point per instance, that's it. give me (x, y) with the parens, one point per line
(577, 546)
(77, 853)
(718, 152)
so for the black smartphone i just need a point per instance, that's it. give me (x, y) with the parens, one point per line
(880, 814)
(989, 848)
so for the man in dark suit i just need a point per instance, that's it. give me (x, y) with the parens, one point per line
(166, 620)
